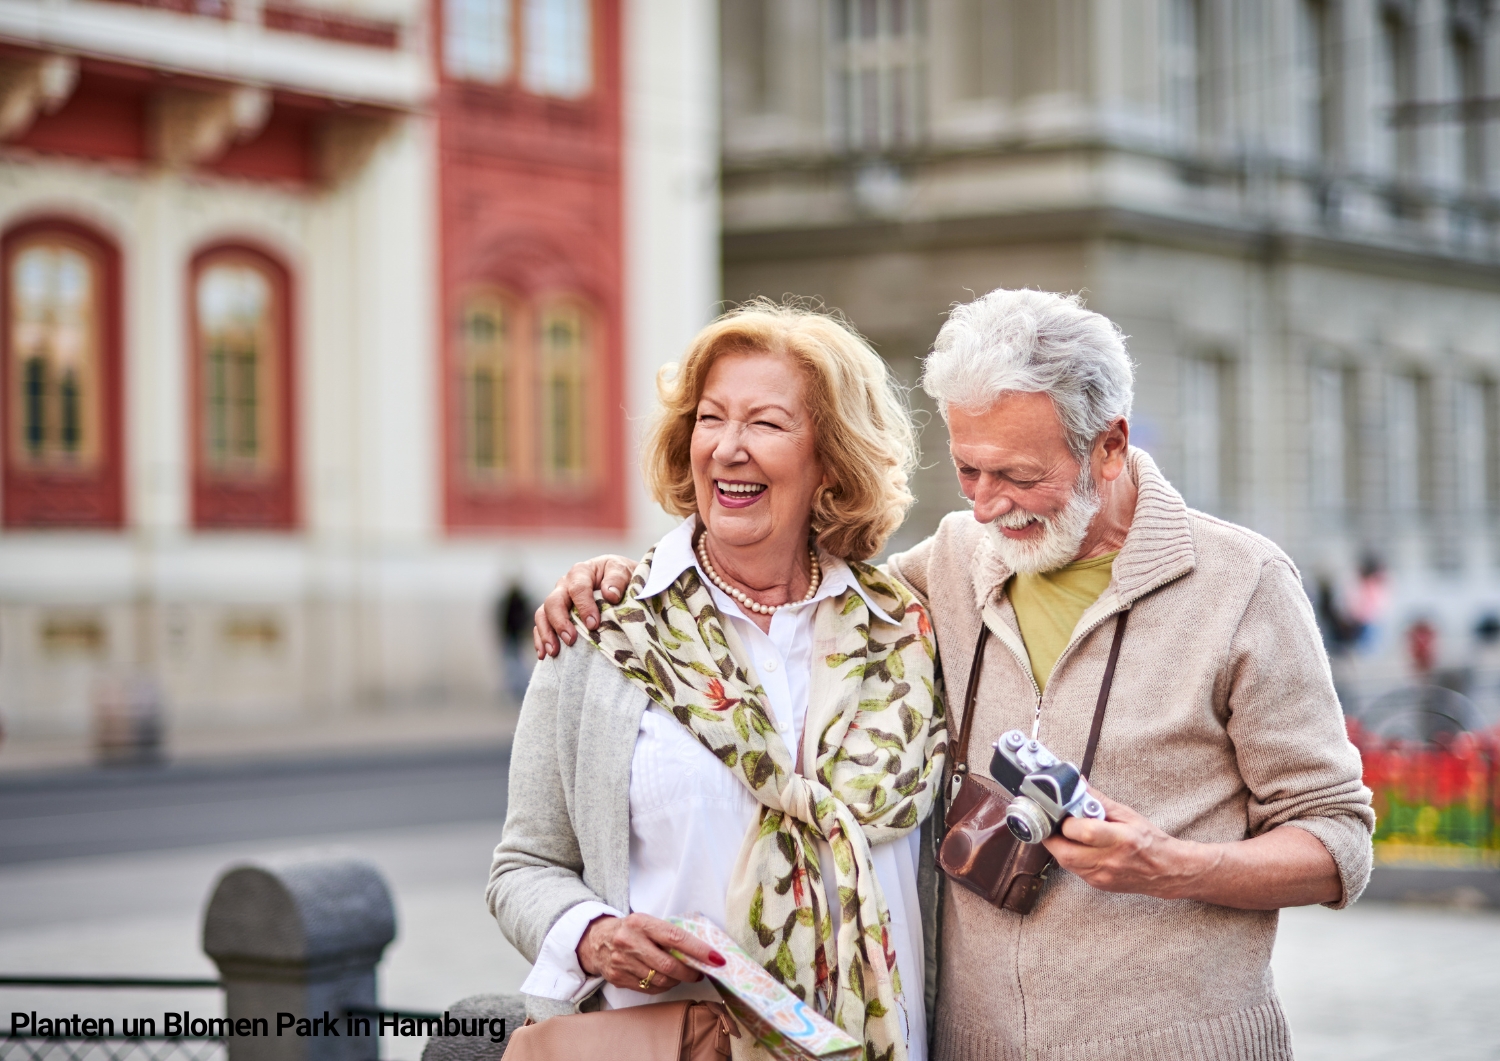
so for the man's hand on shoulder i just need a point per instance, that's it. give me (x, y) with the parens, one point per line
(575, 590)
(1285, 866)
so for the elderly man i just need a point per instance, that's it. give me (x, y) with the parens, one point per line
(1230, 788)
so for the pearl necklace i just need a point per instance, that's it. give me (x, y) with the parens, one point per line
(743, 598)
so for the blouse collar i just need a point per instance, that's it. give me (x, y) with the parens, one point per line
(674, 555)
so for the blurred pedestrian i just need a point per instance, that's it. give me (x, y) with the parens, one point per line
(1341, 631)
(513, 624)
(1371, 602)
(1421, 644)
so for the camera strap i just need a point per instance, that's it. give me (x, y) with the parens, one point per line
(977, 852)
(961, 761)
(1104, 686)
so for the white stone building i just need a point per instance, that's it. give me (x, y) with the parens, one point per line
(1289, 205)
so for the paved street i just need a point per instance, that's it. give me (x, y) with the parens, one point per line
(108, 871)
(110, 876)
(141, 915)
(1390, 982)
(89, 811)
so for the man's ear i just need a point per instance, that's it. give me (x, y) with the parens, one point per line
(1111, 449)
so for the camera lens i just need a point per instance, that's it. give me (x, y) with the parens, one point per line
(1026, 821)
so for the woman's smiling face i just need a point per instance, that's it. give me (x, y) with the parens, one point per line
(755, 461)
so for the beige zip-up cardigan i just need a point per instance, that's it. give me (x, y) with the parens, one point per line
(1222, 724)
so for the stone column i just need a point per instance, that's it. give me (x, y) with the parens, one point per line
(300, 936)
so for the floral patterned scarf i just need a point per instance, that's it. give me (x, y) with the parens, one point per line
(875, 735)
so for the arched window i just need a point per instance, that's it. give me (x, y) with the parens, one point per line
(563, 358)
(55, 286)
(488, 334)
(528, 428)
(242, 391)
(61, 334)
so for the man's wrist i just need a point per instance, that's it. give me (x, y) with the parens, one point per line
(1192, 868)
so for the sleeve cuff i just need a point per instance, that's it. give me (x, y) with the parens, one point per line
(556, 973)
(1348, 840)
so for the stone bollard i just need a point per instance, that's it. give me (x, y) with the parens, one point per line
(509, 1008)
(300, 935)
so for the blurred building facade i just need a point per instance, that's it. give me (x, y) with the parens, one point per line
(1290, 206)
(322, 323)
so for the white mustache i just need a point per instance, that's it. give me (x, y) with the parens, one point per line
(1017, 518)
(1061, 535)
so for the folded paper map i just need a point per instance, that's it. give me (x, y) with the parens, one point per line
(774, 1017)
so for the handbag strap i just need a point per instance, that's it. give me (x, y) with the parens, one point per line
(961, 762)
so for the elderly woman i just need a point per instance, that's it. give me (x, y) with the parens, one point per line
(752, 732)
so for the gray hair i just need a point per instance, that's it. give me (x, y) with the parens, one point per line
(1034, 342)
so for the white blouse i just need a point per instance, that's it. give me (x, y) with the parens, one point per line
(689, 813)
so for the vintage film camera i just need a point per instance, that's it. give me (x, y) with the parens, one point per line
(1045, 789)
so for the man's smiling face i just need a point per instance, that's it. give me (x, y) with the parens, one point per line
(1014, 465)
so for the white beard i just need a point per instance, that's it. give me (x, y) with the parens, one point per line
(1062, 535)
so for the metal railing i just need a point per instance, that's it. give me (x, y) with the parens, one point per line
(151, 1046)
(112, 1047)
(26, 1048)
(109, 981)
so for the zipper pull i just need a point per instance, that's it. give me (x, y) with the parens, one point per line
(1036, 722)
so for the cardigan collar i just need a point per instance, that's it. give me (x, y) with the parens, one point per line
(1158, 546)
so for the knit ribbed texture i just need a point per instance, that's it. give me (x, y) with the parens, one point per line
(1258, 1033)
(1222, 724)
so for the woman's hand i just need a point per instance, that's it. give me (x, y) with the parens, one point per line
(610, 574)
(625, 950)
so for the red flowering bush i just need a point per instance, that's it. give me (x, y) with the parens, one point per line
(1442, 794)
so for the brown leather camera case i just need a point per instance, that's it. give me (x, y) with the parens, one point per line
(978, 852)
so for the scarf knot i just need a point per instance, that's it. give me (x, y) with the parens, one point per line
(799, 798)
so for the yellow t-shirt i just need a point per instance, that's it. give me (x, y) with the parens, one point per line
(1049, 605)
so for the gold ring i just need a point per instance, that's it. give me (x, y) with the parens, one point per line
(646, 980)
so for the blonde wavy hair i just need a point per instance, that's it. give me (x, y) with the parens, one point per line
(862, 427)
